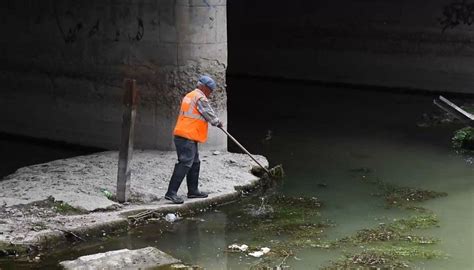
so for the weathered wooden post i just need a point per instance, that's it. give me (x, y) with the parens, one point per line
(130, 101)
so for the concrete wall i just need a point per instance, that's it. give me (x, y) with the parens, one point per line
(382, 43)
(64, 61)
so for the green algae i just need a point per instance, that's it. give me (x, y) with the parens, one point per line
(402, 197)
(387, 246)
(284, 224)
(384, 257)
(416, 222)
(296, 223)
(406, 251)
(399, 230)
(405, 196)
(9, 249)
(65, 208)
(292, 217)
(463, 139)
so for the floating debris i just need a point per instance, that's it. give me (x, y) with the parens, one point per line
(367, 260)
(294, 220)
(170, 217)
(260, 253)
(397, 231)
(403, 197)
(388, 245)
(384, 257)
(236, 247)
(256, 254)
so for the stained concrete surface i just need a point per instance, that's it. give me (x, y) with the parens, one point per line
(36, 201)
(64, 65)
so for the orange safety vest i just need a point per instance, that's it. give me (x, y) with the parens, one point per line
(191, 124)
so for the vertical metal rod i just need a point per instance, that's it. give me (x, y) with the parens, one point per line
(130, 101)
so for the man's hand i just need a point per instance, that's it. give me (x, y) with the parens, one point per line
(220, 124)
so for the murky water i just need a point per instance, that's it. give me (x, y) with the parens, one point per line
(320, 139)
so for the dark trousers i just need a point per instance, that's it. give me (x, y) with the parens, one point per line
(188, 166)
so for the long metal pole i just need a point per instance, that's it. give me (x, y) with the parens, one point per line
(245, 150)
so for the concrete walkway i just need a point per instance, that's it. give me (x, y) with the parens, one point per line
(46, 202)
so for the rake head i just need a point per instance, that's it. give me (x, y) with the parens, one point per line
(276, 172)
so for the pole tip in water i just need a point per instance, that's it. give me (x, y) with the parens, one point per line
(277, 172)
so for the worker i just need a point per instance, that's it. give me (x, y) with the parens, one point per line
(191, 129)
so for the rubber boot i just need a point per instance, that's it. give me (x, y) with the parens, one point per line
(179, 173)
(192, 180)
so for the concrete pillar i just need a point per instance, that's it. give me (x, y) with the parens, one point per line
(63, 67)
(200, 31)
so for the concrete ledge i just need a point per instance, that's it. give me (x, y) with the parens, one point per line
(29, 202)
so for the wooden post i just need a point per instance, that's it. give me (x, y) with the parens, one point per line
(130, 101)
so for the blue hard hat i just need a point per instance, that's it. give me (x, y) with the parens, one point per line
(208, 81)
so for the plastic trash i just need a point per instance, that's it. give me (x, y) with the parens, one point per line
(242, 248)
(260, 253)
(170, 217)
(256, 254)
(107, 193)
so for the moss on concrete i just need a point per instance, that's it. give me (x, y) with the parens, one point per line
(65, 209)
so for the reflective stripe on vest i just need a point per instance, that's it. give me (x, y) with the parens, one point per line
(191, 124)
(193, 106)
(192, 115)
